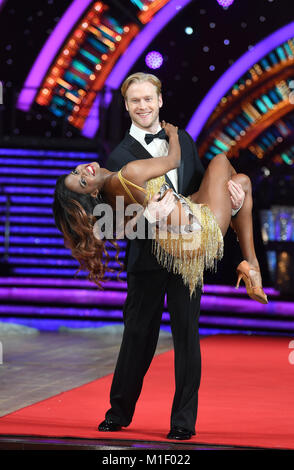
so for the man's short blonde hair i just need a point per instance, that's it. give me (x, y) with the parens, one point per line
(140, 77)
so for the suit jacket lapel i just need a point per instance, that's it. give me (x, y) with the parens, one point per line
(180, 176)
(140, 152)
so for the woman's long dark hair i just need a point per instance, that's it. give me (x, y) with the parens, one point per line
(73, 214)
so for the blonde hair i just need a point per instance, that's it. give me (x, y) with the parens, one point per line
(140, 77)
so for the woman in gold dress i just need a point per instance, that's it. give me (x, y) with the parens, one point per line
(188, 241)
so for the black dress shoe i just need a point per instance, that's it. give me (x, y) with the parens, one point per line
(108, 426)
(180, 434)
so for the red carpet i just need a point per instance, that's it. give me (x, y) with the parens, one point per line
(246, 399)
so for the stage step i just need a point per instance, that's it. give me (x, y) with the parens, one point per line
(222, 307)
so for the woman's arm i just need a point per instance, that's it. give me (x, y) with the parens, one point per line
(141, 171)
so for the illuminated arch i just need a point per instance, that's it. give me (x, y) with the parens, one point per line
(231, 76)
(136, 48)
(49, 51)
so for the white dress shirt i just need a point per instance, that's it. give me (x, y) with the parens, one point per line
(156, 148)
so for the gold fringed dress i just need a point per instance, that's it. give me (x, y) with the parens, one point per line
(187, 250)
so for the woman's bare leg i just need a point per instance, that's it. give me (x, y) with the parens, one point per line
(242, 222)
(214, 192)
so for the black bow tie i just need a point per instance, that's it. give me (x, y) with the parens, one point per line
(160, 135)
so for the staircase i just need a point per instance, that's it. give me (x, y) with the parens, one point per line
(38, 279)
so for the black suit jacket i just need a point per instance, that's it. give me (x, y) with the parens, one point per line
(139, 256)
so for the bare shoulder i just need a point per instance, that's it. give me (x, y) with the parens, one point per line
(132, 171)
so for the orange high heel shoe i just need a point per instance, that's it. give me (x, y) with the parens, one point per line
(252, 279)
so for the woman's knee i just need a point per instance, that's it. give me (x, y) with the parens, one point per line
(220, 162)
(244, 180)
(221, 158)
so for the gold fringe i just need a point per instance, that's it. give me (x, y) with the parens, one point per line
(189, 254)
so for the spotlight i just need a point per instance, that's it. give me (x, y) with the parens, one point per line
(225, 3)
(189, 30)
(154, 60)
(266, 171)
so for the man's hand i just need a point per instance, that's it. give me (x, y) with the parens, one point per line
(157, 210)
(237, 195)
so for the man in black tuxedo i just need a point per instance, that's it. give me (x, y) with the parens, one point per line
(148, 282)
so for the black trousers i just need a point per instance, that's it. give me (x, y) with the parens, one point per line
(142, 317)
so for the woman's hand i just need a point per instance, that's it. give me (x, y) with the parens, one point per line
(170, 129)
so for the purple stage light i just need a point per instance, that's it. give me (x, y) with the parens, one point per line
(225, 3)
(33, 240)
(27, 190)
(58, 272)
(29, 200)
(57, 282)
(208, 288)
(30, 210)
(115, 300)
(28, 181)
(31, 231)
(154, 60)
(2, 3)
(37, 162)
(45, 153)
